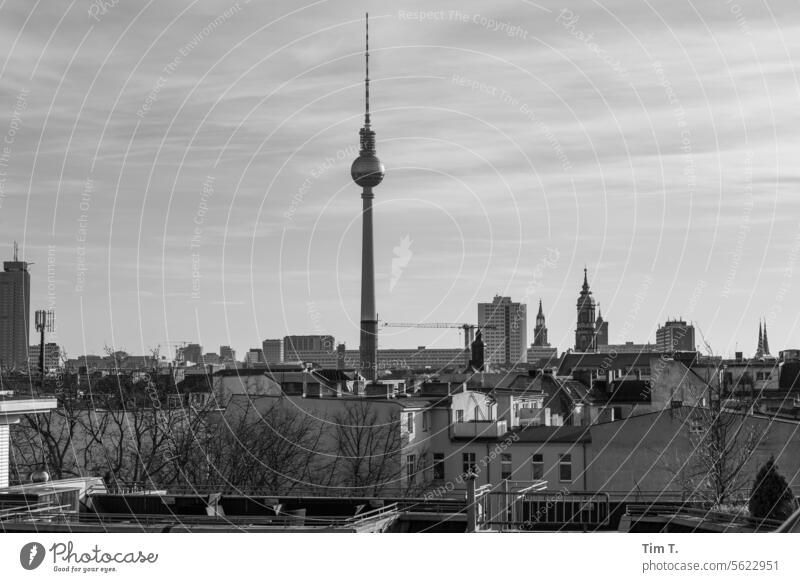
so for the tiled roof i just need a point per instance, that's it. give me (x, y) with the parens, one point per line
(554, 434)
(596, 360)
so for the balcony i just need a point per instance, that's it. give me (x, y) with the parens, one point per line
(480, 428)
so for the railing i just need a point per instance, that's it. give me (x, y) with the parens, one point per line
(530, 508)
(9, 513)
(155, 520)
(367, 521)
(720, 518)
(366, 492)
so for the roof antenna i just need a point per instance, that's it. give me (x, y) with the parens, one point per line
(16, 251)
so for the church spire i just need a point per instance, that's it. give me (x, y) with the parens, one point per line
(585, 281)
(765, 341)
(540, 331)
(760, 347)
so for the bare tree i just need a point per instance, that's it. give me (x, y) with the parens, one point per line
(255, 444)
(722, 443)
(368, 449)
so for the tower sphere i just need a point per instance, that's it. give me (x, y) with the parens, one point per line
(367, 170)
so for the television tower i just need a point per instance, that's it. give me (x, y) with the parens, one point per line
(367, 171)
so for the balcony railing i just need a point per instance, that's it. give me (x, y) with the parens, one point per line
(480, 428)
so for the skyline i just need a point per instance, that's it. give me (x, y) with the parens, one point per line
(497, 141)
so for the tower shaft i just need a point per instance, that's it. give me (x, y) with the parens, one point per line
(368, 350)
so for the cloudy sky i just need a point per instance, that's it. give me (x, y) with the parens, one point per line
(180, 170)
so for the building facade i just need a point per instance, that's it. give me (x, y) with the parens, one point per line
(15, 308)
(52, 357)
(273, 350)
(296, 346)
(190, 353)
(254, 356)
(676, 335)
(504, 324)
(227, 354)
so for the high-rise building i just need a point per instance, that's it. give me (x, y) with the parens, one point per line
(191, 353)
(676, 335)
(15, 308)
(505, 339)
(254, 356)
(367, 171)
(273, 350)
(585, 338)
(227, 354)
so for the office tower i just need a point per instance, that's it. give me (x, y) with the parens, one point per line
(504, 324)
(227, 354)
(193, 353)
(15, 305)
(675, 335)
(273, 350)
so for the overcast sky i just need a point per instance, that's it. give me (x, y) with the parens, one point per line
(183, 167)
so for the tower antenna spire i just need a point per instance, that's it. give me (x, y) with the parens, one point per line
(366, 79)
(16, 252)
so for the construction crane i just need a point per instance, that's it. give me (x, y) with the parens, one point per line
(468, 328)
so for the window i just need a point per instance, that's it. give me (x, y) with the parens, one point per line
(426, 420)
(565, 467)
(476, 413)
(410, 422)
(537, 462)
(468, 463)
(459, 416)
(438, 466)
(506, 466)
(411, 468)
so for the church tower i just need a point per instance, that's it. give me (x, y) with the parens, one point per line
(585, 330)
(601, 326)
(540, 331)
(763, 342)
